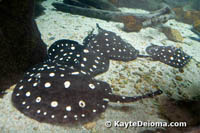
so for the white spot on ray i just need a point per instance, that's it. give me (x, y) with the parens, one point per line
(47, 85)
(67, 84)
(72, 48)
(96, 61)
(86, 51)
(35, 84)
(68, 108)
(38, 99)
(52, 74)
(38, 111)
(75, 73)
(171, 58)
(56, 56)
(83, 72)
(65, 116)
(45, 113)
(21, 87)
(54, 104)
(82, 103)
(84, 59)
(29, 79)
(94, 66)
(52, 116)
(92, 86)
(28, 94)
(75, 116)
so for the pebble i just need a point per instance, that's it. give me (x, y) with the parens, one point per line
(179, 78)
(172, 34)
(90, 125)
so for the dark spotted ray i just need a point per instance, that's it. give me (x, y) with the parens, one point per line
(49, 94)
(67, 52)
(71, 54)
(169, 55)
(113, 46)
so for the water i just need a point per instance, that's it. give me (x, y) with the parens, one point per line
(120, 53)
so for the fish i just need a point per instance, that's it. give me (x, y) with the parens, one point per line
(111, 45)
(169, 55)
(82, 58)
(51, 94)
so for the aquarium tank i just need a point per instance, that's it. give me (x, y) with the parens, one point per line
(93, 66)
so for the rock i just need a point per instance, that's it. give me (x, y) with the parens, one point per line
(21, 45)
(90, 125)
(179, 13)
(186, 16)
(179, 78)
(172, 34)
(131, 24)
(197, 25)
(191, 16)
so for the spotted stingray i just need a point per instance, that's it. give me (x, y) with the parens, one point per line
(111, 45)
(169, 55)
(82, 58)
(50, 93)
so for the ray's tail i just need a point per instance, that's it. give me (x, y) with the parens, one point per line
(124, 99)
(143, 56)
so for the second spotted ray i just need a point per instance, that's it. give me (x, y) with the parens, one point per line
(169, 55)
(71, 54)
(48, 93)
(111, 45)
